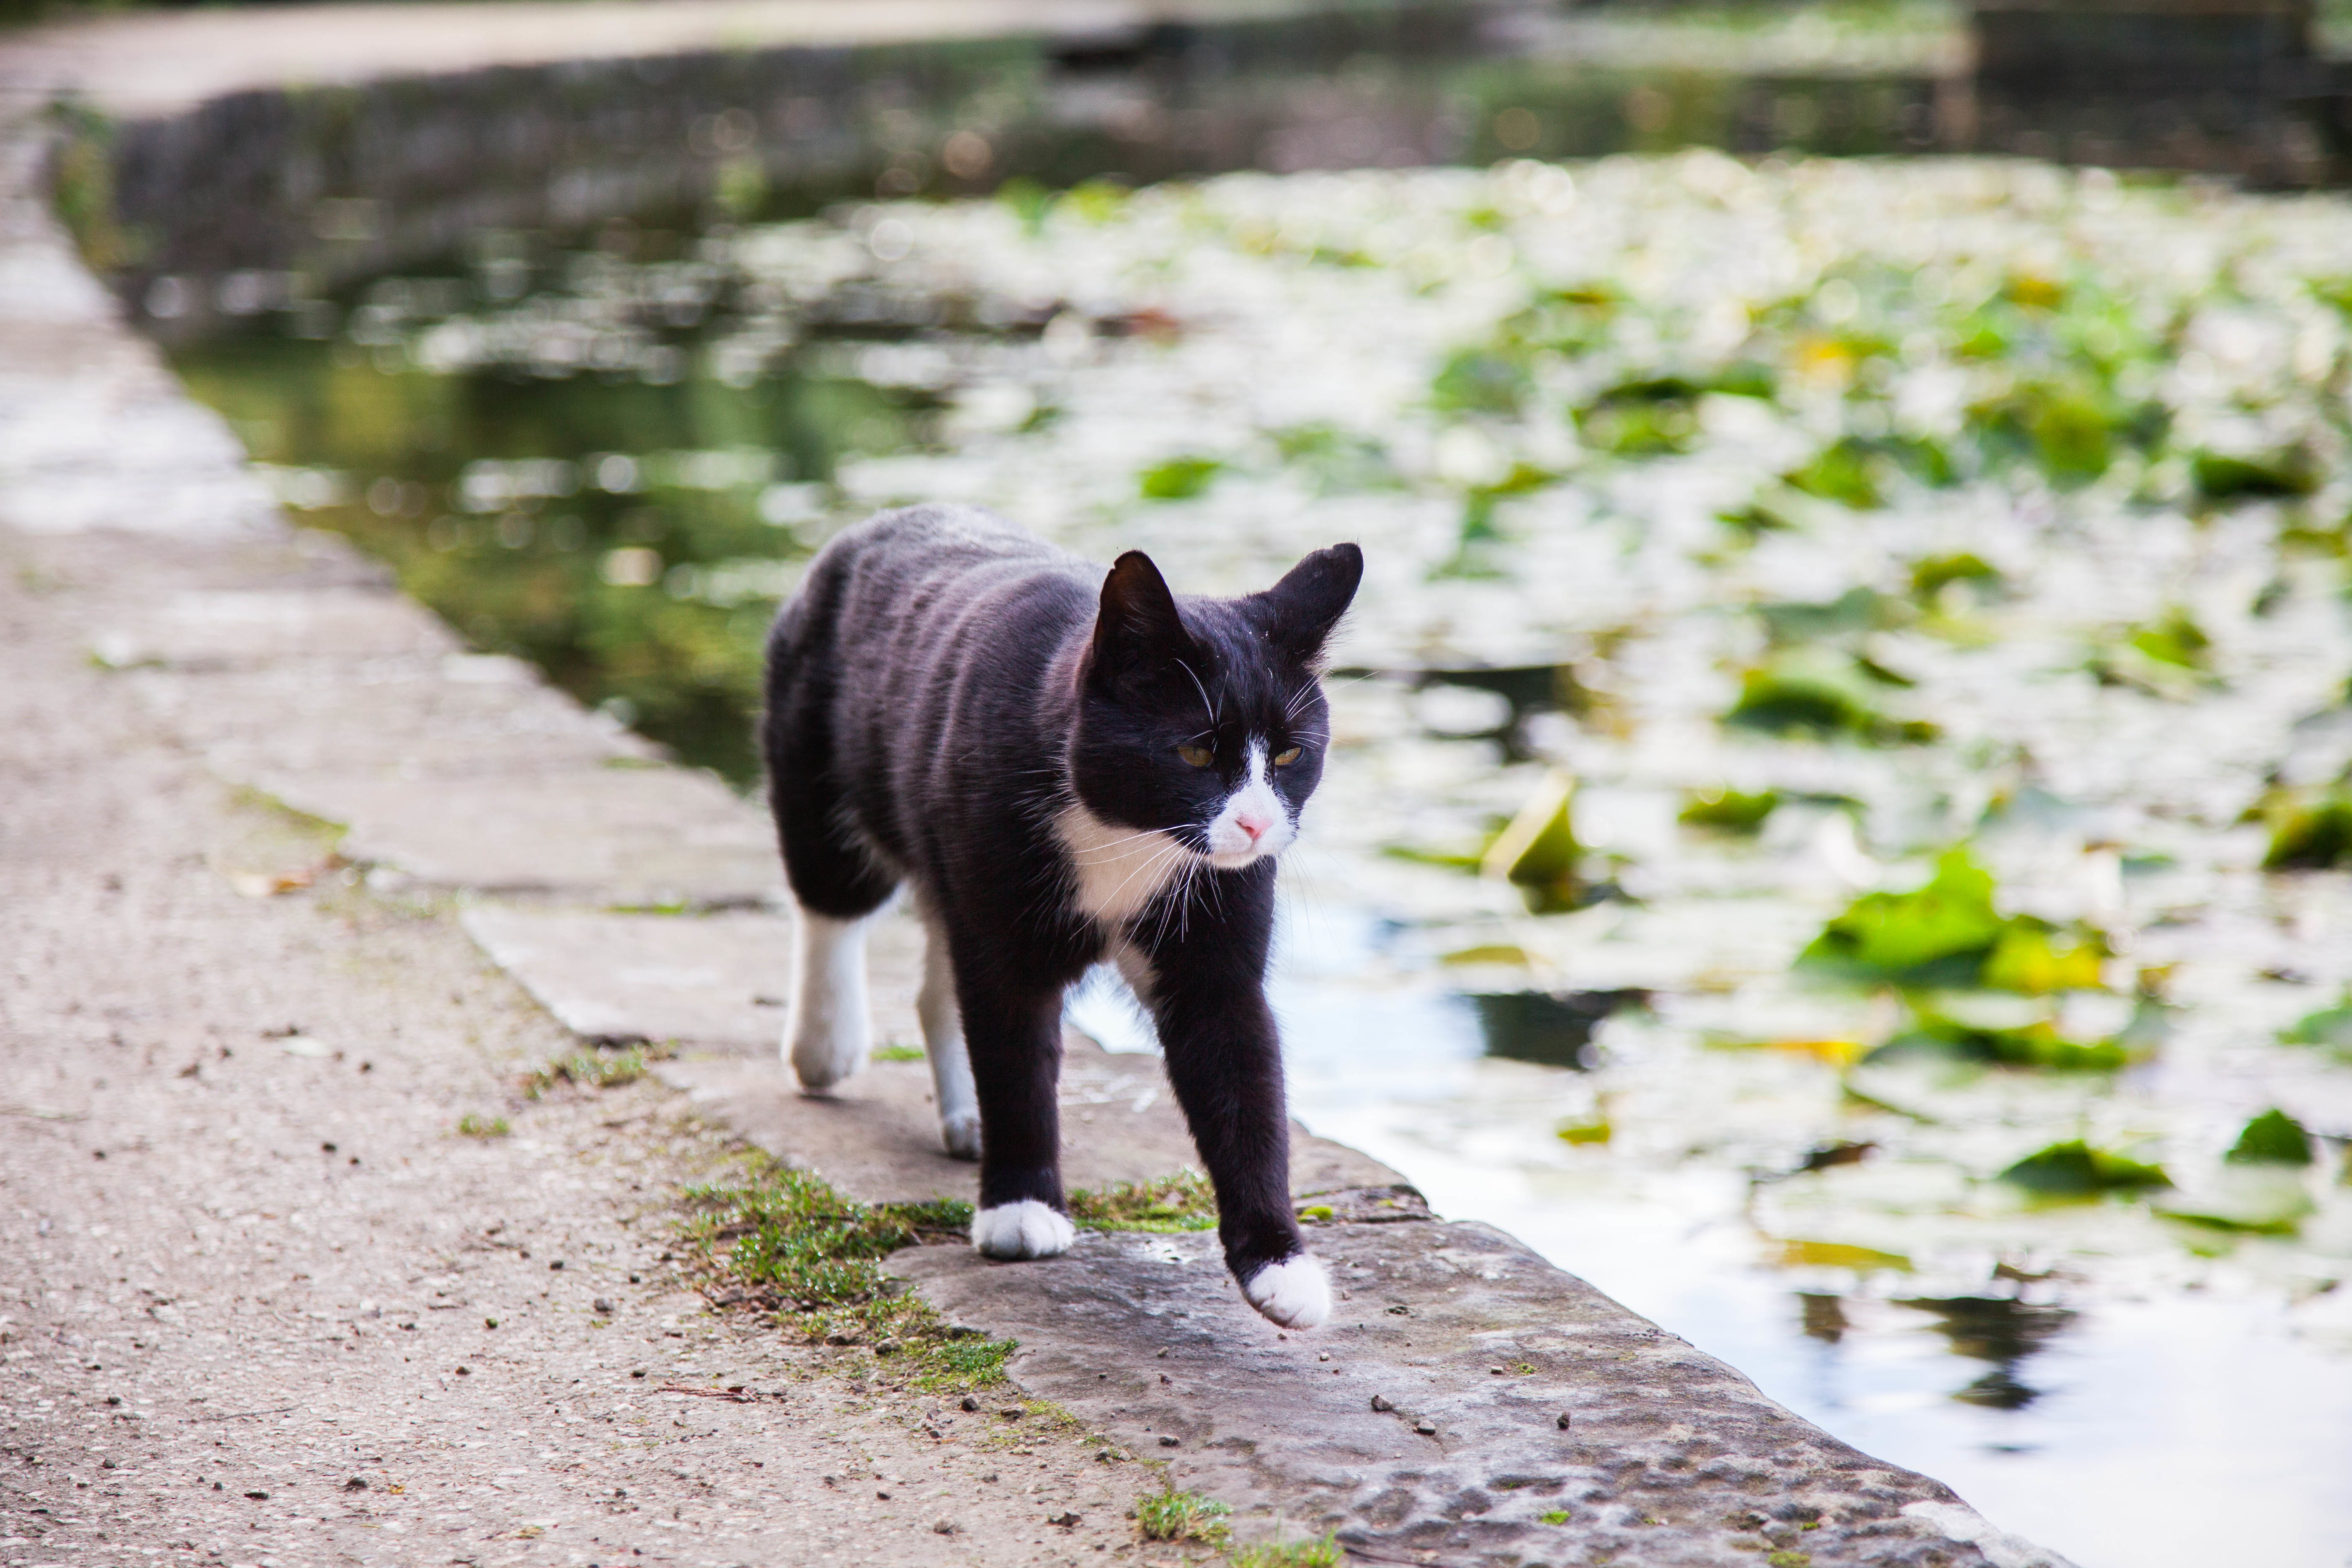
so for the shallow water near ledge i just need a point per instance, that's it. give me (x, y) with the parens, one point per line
(1772, 552)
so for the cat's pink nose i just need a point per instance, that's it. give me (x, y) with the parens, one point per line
(1255, 827)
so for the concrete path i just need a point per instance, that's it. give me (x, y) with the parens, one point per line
(216, 1007)
(153, 63)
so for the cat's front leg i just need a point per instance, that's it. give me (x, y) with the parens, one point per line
(1206, 990)
(1013, 1036)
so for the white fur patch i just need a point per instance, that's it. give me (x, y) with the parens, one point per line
(1295, 1292)
(1233, 844)
(1118, 868)
(826, 1034)
(1025, 1230)
(942, 1021)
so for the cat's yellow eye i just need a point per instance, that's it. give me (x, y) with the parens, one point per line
(1199, 756)
(1284, 759)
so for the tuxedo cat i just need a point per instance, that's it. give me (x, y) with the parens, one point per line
(1067, 766)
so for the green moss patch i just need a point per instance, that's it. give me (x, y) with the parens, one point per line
(784, 1242)
(1181, 1202)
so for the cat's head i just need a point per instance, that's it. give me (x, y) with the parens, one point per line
(1204, 719)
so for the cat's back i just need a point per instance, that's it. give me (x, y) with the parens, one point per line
(919, 568)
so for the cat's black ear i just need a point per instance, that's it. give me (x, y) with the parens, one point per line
(1299, 612)
(1138, 623)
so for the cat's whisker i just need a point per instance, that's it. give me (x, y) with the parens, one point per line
(1203, 691)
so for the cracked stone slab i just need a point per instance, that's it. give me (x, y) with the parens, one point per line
(619, 836)
(415, 719)
(877, 1136)
(242, 627)
(1425, 1422)
(714, 981)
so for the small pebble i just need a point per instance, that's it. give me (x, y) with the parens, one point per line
(944, 1527)
(557, 1265)
(1381, 1402)
(604, 1305)
(1168, 1442)
(1425, 1429)
(1562, 1422)
(356, 1484)
(969, 1403)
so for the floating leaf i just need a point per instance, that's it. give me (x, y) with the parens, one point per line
(2274, 1138)
(1537, 853)
(1940, 933)
(1729, 810)
(1949, 934)
(1840, 1254)
(1821, 692)
(1657, 417)
(2289, 471)
(2329, 1026)
(1486, 952)
(2074, 1169)
(1931, 576)
(2027, 960)
(1582, 1133)
(1480, 381)
(1178, 478)
(2310, 829)
(2176, 639)
(2035, 1045)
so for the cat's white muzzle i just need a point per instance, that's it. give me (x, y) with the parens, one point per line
(1253, 821)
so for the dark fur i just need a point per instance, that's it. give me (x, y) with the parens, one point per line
(939, 689)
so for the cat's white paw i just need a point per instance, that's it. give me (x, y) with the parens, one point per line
(823, 1051)
(1295, 1292)
(1025, 1230)
(961, 1133)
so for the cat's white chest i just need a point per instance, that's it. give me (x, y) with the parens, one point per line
(1119, 870)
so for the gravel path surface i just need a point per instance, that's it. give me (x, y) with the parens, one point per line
(248, 1276)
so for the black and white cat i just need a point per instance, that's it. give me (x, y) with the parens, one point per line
(1068, 766)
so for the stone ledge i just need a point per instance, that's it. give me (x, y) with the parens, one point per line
(1507, 1390)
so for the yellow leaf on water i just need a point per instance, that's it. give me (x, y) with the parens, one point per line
(1836, 1052)
(1487, 952)
(1839, 1255)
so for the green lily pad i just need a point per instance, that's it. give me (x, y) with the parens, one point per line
(1822, 692)
(1537, 853)
(2289, 471)
(1729, 810)
(1480, 381)
(1178, 478)
(2035, 1045)
(2074, 1169)
(2329, 1026)
(1932, 575)
(2274, 1138)
(2310, 829)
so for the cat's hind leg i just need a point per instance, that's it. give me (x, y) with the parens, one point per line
(828, 1031)
(838, 879)
(942, 1021)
